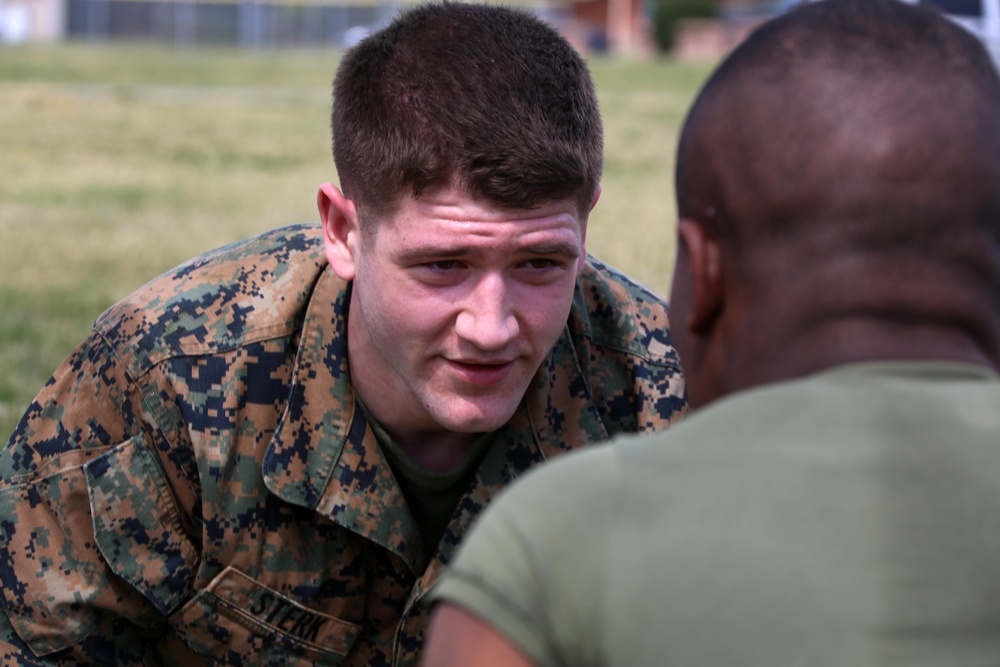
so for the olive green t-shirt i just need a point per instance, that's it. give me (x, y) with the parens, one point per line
(848, 519)
(431, 496)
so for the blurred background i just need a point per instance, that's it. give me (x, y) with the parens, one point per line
(135, 134)
(619, 26)
(686, 28)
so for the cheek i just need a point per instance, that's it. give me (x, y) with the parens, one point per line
(680, 336)
(382, 313)
(543, 312)
(680, 304)
(401, 317)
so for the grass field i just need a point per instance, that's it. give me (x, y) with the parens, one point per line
(119, 162)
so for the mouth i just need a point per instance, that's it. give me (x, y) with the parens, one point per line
(481, 374)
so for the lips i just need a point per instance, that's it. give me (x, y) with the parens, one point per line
(481, 374)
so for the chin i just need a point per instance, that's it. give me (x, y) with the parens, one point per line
(478, 421)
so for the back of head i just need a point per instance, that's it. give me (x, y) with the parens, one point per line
(847, 157)
(487, 98)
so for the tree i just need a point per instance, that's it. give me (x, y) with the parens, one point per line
(668, 13)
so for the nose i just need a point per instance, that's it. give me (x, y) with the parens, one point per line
(487, 318)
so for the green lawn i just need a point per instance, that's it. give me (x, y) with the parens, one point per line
(119, 162)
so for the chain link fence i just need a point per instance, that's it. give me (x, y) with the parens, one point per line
(250, 23)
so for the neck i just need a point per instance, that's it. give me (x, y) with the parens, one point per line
(435, 452)
(856, 340)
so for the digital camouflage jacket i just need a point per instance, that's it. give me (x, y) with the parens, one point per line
(197, 479)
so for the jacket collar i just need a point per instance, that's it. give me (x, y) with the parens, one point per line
(324, 456)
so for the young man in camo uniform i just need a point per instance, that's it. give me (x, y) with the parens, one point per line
(269, 454)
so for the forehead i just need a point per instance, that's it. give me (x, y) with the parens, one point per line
(449, 217)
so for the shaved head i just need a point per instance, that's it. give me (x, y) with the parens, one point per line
(846, 161)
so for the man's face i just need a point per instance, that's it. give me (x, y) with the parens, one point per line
(455, 304)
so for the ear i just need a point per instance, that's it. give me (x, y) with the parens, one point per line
(698, 249)
(582, 262)
(341, 233)
(597, 195)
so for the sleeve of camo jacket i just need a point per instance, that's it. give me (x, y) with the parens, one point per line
(93, 553)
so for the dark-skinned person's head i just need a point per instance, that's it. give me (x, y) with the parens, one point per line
(838, 186)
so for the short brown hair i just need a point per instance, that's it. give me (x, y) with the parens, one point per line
(487, 98)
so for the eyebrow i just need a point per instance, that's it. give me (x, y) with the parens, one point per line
(422, 253)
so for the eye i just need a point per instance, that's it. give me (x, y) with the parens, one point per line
(444, 265)
(542, 264)
(440, 272)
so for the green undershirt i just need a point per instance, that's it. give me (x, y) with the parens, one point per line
(431, 496)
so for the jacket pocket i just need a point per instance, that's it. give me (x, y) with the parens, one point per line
(237, 620)
(137, 524)
(56, 586)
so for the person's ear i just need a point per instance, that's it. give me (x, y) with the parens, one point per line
(707, 293)
(582, 262)
(597, 195)
(341, 232)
